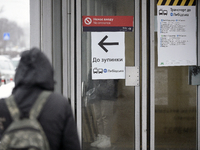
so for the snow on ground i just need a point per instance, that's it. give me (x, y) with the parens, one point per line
(6, 89)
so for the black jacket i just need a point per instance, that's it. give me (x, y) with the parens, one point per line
(33, 75)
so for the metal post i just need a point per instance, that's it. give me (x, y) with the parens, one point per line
(46, 41)
(144, 75)
(72, 55)
(137, 63)
(35, 32)
(57, 44)
(152, 79)
(198, 86)
(65, 49)
(78, 69)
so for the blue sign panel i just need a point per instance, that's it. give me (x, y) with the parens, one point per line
(6, 36)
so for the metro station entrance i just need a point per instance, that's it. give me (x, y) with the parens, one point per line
(120, 91)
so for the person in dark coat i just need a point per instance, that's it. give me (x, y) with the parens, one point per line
(34, 74)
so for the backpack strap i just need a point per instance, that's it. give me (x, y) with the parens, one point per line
(12, 107)
(38, 105)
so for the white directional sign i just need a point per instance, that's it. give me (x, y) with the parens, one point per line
(108, 55)
(6, 36)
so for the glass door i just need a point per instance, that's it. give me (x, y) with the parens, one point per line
(108, 102)
(174, 109)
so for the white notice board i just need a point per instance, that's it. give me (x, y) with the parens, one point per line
(176, 35)
(108, 55)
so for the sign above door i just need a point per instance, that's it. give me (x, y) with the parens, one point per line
(107, 23)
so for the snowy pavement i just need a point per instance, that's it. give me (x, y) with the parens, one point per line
(6, 90)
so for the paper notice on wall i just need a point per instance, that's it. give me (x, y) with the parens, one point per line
(176, 35)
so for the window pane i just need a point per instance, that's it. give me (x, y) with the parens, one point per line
(14, 38)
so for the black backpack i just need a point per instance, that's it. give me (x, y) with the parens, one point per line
(27, 133)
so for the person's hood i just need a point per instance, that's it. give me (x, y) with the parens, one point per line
(34, 71)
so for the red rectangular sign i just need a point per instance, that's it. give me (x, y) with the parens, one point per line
(107, 23)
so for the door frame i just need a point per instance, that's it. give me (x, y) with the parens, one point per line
(198, 87)
(152, 79)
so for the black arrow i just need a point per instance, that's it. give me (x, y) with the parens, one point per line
(102, 43)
